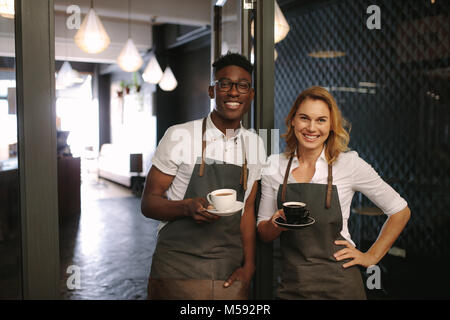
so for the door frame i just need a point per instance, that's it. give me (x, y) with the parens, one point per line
(36, 117)
(264, 119)
(262, 114)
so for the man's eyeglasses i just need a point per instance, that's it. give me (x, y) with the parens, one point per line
(225, 85)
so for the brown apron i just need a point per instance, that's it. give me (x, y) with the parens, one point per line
(309, 269)
(191, 260)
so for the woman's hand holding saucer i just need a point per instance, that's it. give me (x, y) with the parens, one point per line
(276, 215)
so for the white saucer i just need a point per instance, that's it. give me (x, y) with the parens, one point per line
(238, 206)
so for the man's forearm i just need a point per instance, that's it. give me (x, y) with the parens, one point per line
(159, 208)
(248, 231)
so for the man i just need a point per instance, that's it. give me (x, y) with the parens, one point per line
(200, 255)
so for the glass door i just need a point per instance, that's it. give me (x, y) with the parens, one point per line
(247, 27)
(10, 231)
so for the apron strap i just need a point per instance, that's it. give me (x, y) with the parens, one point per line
(244, 167)
(202, 165)
(329, 186)
(286, 175)
(329, 183)
(243, 180)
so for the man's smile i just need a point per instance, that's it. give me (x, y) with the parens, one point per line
(233, 105)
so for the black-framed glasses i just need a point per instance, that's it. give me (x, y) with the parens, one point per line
(225, 85)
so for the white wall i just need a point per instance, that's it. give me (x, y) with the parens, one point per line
(6, 37)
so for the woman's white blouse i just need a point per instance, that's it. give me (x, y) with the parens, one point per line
(350, 174)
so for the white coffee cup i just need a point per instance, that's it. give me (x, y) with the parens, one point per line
(222, 199)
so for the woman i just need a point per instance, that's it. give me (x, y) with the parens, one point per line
(320, 261)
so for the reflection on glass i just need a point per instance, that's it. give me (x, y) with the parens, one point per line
(10, 250)
(231, 27)
(392, 85)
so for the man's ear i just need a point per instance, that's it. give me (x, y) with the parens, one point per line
(211, 92)
(252, 93)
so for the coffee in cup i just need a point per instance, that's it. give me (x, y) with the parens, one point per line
(222, 199)
(295, 212)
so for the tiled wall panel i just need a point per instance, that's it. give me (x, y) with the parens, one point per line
(393, 85)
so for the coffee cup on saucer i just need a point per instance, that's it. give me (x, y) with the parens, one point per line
(222, 199)
(295, 212)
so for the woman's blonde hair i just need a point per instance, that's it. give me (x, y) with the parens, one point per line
(339, 136)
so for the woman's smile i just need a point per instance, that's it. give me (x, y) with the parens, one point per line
(310, 138)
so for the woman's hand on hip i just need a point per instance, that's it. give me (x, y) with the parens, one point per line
(350, 252)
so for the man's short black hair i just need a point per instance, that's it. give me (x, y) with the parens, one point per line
(232, 59)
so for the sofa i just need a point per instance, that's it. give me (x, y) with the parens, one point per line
(122, 167)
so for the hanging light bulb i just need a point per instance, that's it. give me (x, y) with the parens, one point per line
(67, 76)
(168, 81)
(129, 59)
(7, 8)
(153, 72)
(281, 27)
(92, 36)
(64, 77)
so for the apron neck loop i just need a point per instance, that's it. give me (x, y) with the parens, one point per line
(286, 175)
(243, 179)
(202, 165)
(329, 183)
(329, 186)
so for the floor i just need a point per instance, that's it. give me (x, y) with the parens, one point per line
(111, 245)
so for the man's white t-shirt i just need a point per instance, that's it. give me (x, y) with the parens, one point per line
(180, 150)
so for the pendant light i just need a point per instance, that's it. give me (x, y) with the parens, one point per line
(67, 76)
(281, 27)
(129, 59)
(153, 72)
(7, 8)
(322, 49)
(92, 36)
(168, 81)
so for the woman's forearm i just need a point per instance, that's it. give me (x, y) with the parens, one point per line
(390, 231)
(267, 231)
